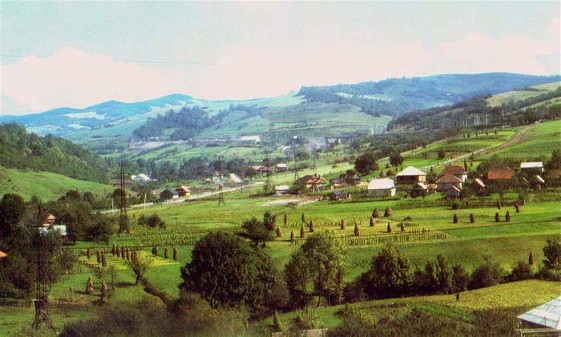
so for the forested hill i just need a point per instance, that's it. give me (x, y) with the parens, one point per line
(25, 151)
(396, 96)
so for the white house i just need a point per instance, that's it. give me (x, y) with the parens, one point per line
(532, 166)
(411, 176)
(383, 187)
(140, 178)
(281, 189)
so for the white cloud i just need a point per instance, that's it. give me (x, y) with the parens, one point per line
(77, 79)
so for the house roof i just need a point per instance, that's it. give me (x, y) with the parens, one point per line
(531, 164)
(183, 188)
(453, 190)
(449, 179)
(167, 190)
(411, 171)
(454, 170)
(282, 188)
(500, 172)
(539, 179)
(2, 254)
(340, 193)
(282, 166)
(235, 178)
(310, 179)
(381, 184)
(547, 314)
(421, 186)
(479, 182)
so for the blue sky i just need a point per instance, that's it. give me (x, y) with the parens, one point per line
(81, 53)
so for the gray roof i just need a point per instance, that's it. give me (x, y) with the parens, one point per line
(381, 184)
(547, 314)
(531, 164)
(411, 171)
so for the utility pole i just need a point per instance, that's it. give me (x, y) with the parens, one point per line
(123, 217)
(220, 182)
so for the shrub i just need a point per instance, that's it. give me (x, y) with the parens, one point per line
(521, 271)
(488, 274)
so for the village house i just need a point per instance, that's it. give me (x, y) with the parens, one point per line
(383, 187)
(281, 167)
(411, 176)
(140, 178)
(183, 191)
(456, 171)
(281, 189)
(478, 186)
(168, 194)
(543, 320)
(447, 181)
(310, 182)
(500, 173)
(532, 167)
(345, 180)
(339, 195)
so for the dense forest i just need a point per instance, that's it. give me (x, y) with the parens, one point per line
(396, 96)
(26, 151)
(188, 122)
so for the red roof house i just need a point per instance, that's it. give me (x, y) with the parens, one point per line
(500, 173)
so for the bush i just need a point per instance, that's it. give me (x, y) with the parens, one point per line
(488, 274)
(521, 271)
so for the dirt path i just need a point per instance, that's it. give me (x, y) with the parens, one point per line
(518, 137)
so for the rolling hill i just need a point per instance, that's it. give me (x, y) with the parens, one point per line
(343, 109)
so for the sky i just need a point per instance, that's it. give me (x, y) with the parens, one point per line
(77, 54)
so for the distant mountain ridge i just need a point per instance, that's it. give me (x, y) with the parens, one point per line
(318, 110)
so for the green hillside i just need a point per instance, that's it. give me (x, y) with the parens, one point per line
(26, 151)
(45, 185)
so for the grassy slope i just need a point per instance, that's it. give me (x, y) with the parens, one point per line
(516, 95)
(538, 143)
(45, 185)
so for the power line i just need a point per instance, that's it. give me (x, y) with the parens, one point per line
(134, 61)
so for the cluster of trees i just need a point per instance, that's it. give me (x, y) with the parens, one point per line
(21, 239)
(27, 151)
(186, 123)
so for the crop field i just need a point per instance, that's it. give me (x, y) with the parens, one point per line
(536, 144)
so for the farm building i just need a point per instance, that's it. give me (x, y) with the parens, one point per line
(183, 191)
(281, 168)
(345, 180)
(168, 194)
(140, 178)
(384, 187)
(498, 173)
(443, 184)
(310, 182)
(411, 176)
(532, 166)
(339, 195)
(478, 186)
(457, 171)
(543, 320)
(281, 189)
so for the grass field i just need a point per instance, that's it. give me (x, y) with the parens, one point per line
(537, 143)
(45, 185)
(516, 95)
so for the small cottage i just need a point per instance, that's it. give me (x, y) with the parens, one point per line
(384, 187)
(168, 194)
(281, 189)
(411, 176)
(500, 173)
(281, 167)
(140, 178)
(183, 191)
(457, 171)
(531, 167)
(310, 182)
(443, 184)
